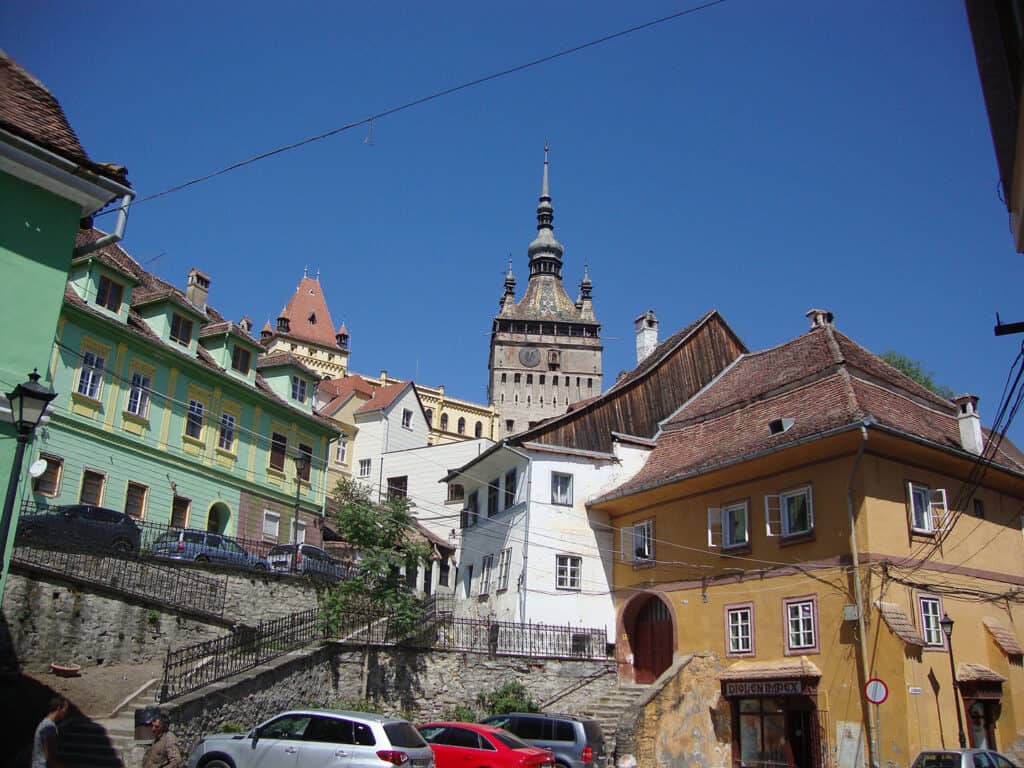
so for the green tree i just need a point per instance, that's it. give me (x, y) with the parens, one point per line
(913, 369)
(383, 541)
(508, 697)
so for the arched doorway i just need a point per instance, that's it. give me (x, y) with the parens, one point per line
(648, 625)
(217, 518)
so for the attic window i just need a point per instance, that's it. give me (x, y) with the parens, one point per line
(778, 426)
(312, 318)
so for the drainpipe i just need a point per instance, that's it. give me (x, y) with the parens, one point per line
(526, 533)
(858, 595)
(113, 237)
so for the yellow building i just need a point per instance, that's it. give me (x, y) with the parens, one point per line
(802, 527)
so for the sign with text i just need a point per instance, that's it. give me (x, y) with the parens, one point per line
(753, 688)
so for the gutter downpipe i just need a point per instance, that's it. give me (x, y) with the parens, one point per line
(113, 237)
(526, 531)
(858, 595)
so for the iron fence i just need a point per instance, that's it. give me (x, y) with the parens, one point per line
(148, 580)
(506, 638)
(191, 668)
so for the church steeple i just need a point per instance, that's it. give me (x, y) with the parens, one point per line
(545, 252)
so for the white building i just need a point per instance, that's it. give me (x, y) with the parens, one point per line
(530, 550)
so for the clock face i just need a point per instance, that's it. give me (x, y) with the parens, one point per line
(529, 356)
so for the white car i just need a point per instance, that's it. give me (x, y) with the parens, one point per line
(317, 737)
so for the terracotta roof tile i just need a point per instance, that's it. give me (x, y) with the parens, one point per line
(786, 669)
(227, 326)
(277, 359)
(1005, 638)
(30, 111)
(824, 382)
(308, 316)
(899, 623)
(966, 672)
(383, 397)
(346, 385)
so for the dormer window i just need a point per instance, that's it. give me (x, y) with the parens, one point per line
(241, 359)
(312, 318)
(109, 294)
(298, 389)
(181, 330)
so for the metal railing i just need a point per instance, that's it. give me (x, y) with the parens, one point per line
(145, 579)
(191, 668)
(507, 638)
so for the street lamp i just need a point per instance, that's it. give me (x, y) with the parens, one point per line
(301, 459)
(28, 402)
(947, 629)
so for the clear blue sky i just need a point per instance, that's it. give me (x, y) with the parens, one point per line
(758, 157)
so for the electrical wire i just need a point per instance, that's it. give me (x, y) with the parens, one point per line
(424, 100)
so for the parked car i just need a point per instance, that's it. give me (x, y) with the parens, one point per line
(307, 559)
(317, 737)
(457, 745)
(203, 547)
(576, 742)
(961, 758)
(82, 526)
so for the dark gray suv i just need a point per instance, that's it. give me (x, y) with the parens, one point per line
(576, 742)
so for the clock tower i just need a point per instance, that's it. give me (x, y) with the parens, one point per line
(545, 348)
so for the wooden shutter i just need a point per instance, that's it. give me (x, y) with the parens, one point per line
(714, 527)
(773, 514)
(627, 544)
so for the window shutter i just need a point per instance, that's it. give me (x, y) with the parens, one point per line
(910, 507)
(714, 527)
(773, 514)
(810, 509)
(627, 544)
(937, 508)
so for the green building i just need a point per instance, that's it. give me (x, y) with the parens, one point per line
(48, 185)
(170, 412)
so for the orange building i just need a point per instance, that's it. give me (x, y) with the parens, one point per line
(803, 525)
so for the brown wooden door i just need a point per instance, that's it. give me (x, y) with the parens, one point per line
(652, 643)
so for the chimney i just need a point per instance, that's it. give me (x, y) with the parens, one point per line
(198, 288)
(970, 423)
(820, 318)
(646, 335)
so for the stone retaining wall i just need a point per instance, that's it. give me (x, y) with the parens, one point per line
(48, 619)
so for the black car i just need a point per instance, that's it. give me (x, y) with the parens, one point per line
(82, 526)
(306, 559)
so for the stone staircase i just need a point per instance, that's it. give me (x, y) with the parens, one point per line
(108, 742)
(611, 711)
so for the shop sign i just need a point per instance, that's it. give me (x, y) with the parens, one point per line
(756, 688)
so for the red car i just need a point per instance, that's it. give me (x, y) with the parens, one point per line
(472, 745)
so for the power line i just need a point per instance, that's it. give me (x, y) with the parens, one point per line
(425, 99)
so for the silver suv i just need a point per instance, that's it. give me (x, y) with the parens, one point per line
(317, 737)
(576, 742)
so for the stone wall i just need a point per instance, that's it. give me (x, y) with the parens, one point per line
(684, 722)
(419, 686)
(50, 619)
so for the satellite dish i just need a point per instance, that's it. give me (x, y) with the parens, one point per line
(37, 468)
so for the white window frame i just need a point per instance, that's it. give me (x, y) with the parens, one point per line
(90, 375)
(299, 532)
(739, 618)
(927, 511)
(561, 489)
(776, 508)
(274, 520)
(929, 610)
(299, 388)
(630, 534)
(486, 569)
(407, 418)
(228, 425)
(568, 572)
(341, 451)
(365, 465)
(138, 395)
(504, 566)
(196, 408)
(720, 528)
(801, 622)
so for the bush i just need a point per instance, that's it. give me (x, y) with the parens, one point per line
(461, 713)
(230, 726)
(510, 697)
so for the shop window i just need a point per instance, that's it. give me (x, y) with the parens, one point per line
(762, 732)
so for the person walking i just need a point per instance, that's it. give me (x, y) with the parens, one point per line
(165, 752)
(44, 745)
